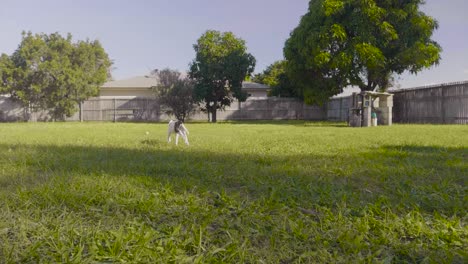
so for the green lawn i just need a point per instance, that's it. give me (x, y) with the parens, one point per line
(270, 192)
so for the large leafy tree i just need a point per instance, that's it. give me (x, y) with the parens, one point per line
(275, 76)
(221, 65)
(359, 43)
(5, 68)
(175, 92)
(50, 72)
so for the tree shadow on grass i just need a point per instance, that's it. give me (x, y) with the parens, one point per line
(402, 177)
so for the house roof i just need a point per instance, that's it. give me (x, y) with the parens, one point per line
(148, 82)
(134, 82)
(348, 91)
(253, 85)
(429, 86)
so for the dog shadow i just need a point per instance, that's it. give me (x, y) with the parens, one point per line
(153, 142)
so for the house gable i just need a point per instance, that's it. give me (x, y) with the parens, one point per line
(140, 86)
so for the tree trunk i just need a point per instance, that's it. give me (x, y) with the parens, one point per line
(213, 115)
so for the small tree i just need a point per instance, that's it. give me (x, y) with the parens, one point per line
(275, 76)
(52, 73)
(175, 92)
(359, 43)
(219, 68)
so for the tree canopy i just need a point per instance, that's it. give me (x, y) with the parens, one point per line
(175, 92)
(220, 66)
(275, 76)
(341, 43)
(50, 72)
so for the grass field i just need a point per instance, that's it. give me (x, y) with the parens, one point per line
(272, 192)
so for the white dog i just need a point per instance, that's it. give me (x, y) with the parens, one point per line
(178, 128)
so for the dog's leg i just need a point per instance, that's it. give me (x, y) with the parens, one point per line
(177, 138)
(185, 138)
(170, 130)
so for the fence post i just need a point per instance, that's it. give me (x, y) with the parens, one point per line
(114, 110)
(406, 119)
(81, 111)
(341, 108)
(444, 121)
(298, 110)
(147, 110)
(325, 109)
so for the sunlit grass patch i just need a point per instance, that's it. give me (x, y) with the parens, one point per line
(276, 192)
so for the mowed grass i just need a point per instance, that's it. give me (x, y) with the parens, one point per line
(242, 192)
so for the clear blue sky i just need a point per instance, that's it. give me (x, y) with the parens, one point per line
(140, 35)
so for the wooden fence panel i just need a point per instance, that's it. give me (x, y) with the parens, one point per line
(338, 109)
(439, 104)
